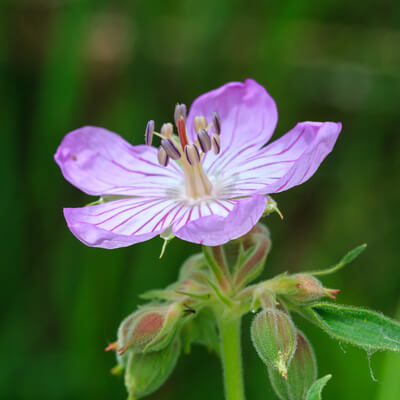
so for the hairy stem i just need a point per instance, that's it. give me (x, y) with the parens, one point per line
(231, 356)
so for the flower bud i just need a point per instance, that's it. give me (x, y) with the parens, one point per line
(274, 337)
(149, 329)
(310, 289)
(254, 248)
(301, 374)
(146, 372)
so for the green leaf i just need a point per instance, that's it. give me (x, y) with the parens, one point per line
(360, 327)
(315, 390)
(348, 258)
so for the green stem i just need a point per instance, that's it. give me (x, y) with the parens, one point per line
(231, 357)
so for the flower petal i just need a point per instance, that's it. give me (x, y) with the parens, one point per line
(100, 162)
(248, 117)
(287, 162)
(120, 223)
(127, 221)
(214, 230)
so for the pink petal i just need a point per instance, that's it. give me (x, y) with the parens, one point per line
(248, 117)
(214, 230)
(124, 222)
(287, 162)
(100, 162)
(120, 223)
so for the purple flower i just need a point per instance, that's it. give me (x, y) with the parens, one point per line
(208, 183)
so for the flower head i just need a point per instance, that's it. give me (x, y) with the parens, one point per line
(207, 182)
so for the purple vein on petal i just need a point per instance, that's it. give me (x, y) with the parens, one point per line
(162, 219)
(154, 203)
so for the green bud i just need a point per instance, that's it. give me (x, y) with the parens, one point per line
(274, 337)
(302, 372)
(310, 289)
(253, 250)
(149, 329)
(146, 372)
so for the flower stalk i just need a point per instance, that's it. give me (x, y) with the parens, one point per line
(231, 356)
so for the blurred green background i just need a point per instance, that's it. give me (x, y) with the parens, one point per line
(66, 63)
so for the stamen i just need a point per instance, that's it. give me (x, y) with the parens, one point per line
(148, 136)
(167, 130)
(204, 141)
(180, 112)
(182, 133)
(192, 154)
(163, 157)
(171, 149)
(200, 123)
(216, 143)
(216, 119)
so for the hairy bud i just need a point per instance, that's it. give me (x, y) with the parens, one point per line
(253, 250)
(274, 337)
(146, 372)
(310, 289)
(149, 329)
(301, 374)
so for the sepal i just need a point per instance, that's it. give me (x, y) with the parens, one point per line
(315, 391)
(202, 329)
(302, 372)
(253, 251)
(146, 372)
(151, 328)
(274, 337)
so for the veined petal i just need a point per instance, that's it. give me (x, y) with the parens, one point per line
(100, 162)
(287, 162)
(120, 223)
(127, 221)
(214, 230)
(248, 117)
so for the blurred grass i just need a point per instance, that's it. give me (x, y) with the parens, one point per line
(67, 63)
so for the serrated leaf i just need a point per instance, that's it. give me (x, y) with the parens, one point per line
(348, 258)
(360, 327)
(315, 390)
